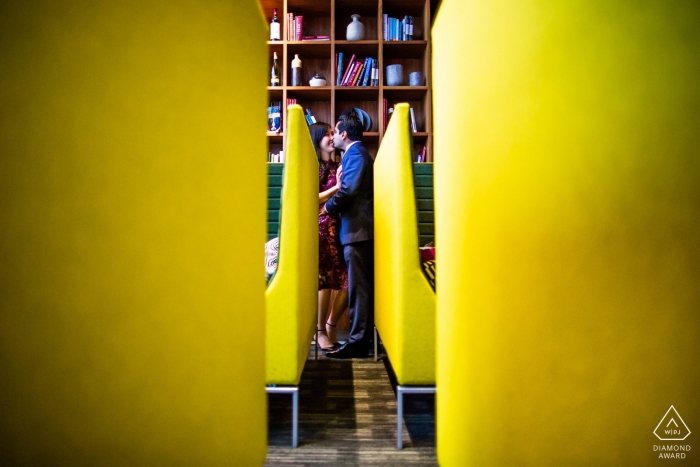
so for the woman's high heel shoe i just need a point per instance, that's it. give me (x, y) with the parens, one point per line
(336, 345)
(326, 349)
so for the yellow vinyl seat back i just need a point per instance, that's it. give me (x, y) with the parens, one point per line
(291, 299)
(130, 314)
(404, 300)
(567, 214)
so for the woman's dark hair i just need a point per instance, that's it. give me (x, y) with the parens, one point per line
(318, 131)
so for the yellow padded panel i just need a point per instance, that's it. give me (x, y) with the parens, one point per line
(568, 219)
(291, 299)
(404, 301)
(130, 306)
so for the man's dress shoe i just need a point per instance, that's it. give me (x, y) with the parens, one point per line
(349, 350)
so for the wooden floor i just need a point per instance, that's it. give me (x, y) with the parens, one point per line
(347, 416)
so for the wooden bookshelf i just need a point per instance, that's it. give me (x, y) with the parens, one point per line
(330, 18)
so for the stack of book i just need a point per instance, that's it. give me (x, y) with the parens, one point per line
(398, 30)
(291, 101)
(356, 73)
(295, 27)
(275, 157)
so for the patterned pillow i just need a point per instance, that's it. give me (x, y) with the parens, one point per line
(272, 248)
(429, 271)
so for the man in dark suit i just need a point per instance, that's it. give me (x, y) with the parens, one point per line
(354, 202)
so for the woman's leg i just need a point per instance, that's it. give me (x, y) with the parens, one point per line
(339, 305)
(324, 298)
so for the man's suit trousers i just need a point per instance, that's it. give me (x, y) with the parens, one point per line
(359, 257)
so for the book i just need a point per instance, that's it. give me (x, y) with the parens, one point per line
(413, 120)
(367, 71)
(356, 74)
(348, 70)
(316, 38)
(339, 68)
(310, 119)
(345, 76)
(351, 74)
(299, 27)
(376, 73)
(289, 23)
(385, 27)
(385, 113)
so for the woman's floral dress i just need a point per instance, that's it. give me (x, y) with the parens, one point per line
(332, 272)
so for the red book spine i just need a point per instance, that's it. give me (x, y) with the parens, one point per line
(384, 113)
(300, 28)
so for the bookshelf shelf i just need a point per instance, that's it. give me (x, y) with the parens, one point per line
(407, 49)
(356, 93)
(309, 49)
(330, 18)
(405, 93)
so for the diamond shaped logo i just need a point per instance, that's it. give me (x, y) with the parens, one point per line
(672, 427)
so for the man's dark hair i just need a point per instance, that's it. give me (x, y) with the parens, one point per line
(351, 124)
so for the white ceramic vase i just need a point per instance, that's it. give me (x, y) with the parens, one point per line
(356, 30)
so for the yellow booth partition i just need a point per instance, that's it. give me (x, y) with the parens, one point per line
(132, 205)
(291, 299)
(404, 301)
(567, 175)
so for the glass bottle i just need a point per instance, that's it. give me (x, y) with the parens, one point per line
(275, 75)
(275, 34)
(296, 71)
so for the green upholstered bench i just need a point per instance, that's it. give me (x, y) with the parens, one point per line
(423, 179)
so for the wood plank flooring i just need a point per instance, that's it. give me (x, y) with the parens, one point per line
(347, 417)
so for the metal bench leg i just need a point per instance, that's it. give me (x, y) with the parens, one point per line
(400, 390)
(295, 418)
(399, 418)
(294, 391)
(375, 344)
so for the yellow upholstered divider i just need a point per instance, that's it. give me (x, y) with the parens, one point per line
(404, 301)
(291, 299)
(568, 225)
(132, 205)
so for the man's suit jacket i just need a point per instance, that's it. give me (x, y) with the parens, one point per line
(354, 201)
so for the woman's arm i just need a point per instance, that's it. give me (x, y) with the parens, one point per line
(328, 194)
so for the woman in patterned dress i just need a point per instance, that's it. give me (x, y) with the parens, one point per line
(332, 271)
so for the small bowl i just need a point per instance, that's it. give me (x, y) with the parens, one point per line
(317, 81)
